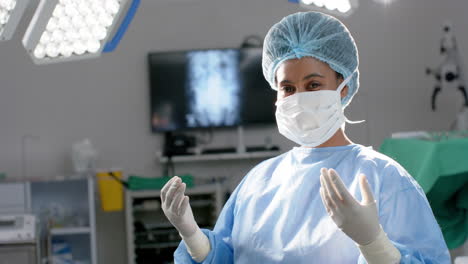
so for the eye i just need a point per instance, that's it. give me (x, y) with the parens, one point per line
(287, 89)
(314, 85)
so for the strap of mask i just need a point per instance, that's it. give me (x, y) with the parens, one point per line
(344, 83)
(353, 122)
(339, 89)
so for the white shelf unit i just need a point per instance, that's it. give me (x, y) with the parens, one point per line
(75, 199)
(222, 156)
(150, 236)
(70, 231)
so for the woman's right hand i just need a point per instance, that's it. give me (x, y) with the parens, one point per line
(176, 207)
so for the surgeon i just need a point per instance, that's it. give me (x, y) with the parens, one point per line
(328, 200)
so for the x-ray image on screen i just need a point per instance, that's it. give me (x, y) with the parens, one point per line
(213, 88)
(209, 88)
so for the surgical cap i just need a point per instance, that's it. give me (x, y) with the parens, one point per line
(312, 34)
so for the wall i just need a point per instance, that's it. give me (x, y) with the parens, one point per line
(106, 99)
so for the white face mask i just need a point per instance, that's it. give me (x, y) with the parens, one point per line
(311, 118)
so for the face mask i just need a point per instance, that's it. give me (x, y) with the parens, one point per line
(311, 118)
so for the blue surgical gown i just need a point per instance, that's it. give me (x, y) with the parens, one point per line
(275, 215)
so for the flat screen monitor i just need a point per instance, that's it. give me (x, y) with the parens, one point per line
(209, 89)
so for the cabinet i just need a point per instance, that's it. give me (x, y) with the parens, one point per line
(14, 198)
(150, 236)
(66, 213)
(18, 254)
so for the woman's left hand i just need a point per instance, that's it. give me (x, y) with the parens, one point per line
(358, 220)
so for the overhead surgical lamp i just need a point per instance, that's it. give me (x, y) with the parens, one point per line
(335, 7)
(65, 30)
(385, 2)
(11, 12)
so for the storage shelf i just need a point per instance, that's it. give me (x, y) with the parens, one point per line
(145, 210)
(158, 232)
(157, 235)
(158, 245)
(222, 156)
(195, 203)
(159, 225)
(199, 189)
(70, 231)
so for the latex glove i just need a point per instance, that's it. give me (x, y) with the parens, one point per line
(358, 220)
(176, 207)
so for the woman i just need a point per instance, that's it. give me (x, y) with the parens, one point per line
(305, 205)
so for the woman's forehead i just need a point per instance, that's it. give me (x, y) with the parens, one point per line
(295, 68)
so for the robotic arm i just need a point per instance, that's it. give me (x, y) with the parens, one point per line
(450, 73)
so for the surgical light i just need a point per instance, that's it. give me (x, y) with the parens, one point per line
(319, 3)
(341, 7)
(384, 2)
(308, 2)
(335, 7)
(11, 12)
(63, 30)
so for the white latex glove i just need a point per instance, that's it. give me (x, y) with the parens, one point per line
(358, 220)
(176, 207)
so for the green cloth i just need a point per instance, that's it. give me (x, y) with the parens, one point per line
(441, 168)
(136, 183)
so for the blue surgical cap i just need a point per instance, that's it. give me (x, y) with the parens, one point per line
(312, 34)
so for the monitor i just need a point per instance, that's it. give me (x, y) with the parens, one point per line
(209, 89)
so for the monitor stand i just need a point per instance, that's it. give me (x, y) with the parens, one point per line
(239, 149)
(240, 140)
(189, 142)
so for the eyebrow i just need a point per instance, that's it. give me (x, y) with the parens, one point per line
(305, 78)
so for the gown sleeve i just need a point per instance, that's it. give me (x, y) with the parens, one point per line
(220, 238)
(407, 218)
